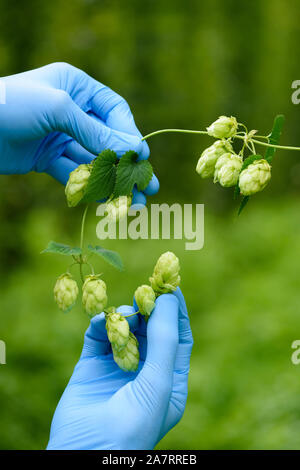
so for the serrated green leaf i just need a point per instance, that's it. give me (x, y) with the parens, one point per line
(132, 171)
(61, 249)
(103, 176)
(275, 136)
(111, 257)
(243, 204)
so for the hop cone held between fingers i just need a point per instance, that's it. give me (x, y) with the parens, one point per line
(65, 292)
(128, 357)
(145, 299)
(227, 170)
(206, 163)
(76, 184)
(117, 330)
(223, 128)
(255, 177)
(94, 298)
(165, 277)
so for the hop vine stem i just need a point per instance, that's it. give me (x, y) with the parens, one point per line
(189, 131)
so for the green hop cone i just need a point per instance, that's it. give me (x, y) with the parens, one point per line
(76, 184)
(165, 277)
(227, 170)
(117, 209)
(255, 177)
(206, 163)
(94, 298)
(65, 292)
(223, 128)
(117, 328)
(128, 357)
(145, 299)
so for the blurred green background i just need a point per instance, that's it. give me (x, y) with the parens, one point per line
(178, 64)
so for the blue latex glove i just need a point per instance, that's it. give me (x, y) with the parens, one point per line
(56, 117)
(105, 408)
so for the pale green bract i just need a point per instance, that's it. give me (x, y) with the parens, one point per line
(65, 292)
(145, 299)
(117, 330)
(165, 277)
(206, 163)
(255, 177)
(76, 184)
(228, 168)
(117, 209)
(128, 357)
(94, 298)
(223, 128)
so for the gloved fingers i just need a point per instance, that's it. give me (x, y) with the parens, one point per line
(96, 342)
(116, 113)
(77, 153)
(153, 187)
(182, 362)
(61, 168)
(65, 116)
(138, 198)
(155, 380)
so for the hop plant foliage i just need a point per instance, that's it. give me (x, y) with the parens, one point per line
(117, 330)
(227, 169)
(255, 177)
(65, 292)
(207, 162)
(223, 128)
(76, 184)
(94, 298)
(165, 277)
(127, 357)
(145, 299)
(117, 209)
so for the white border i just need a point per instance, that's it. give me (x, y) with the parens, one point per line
(2, 92)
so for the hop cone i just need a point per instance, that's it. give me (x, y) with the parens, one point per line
(117, 209)
(223, 128)
(165, 276)
(117, 330)
(255, 177)
(65, 292)
(206, 163)
(76, 184)
(227, 169)
(145, 299)
(128, 357)
(94, 298)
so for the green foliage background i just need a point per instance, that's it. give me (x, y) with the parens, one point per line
(179, 64)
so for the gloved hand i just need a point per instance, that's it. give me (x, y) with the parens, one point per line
(56, 117)
(105, 408)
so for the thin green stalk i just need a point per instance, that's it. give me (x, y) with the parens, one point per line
(82, 226)
(184, 131)
(188, 131)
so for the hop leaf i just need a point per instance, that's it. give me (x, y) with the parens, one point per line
(227, 170)
(76, 184)
(65, 292)
(223, 128)
(117, 328)
(94, 298)
(128, 357)
(165, 276)
(145, 299)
